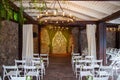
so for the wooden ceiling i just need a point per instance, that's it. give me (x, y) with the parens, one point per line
(81, 10)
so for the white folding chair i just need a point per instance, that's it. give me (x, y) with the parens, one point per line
(20, 64)
(45, 58)
(75, 54)
(116, 66)
(40, 66)
(74, 60)
(96, 63)
(9, 71)
(31, 71)
(36, 59)
(105, 71)
(0, 78)
(78, 66)
(89, 57)
(87, 69)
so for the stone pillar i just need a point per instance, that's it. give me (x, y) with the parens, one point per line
(75, 33)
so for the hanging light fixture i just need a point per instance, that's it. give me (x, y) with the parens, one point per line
(54, 13)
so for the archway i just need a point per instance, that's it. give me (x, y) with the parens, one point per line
(59, 43)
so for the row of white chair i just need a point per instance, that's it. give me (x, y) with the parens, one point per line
(112, 54)
(45, 57)
(87, 66)
(36, 68)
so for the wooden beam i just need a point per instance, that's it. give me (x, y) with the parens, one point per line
(111, 17)
(94, 0)
(20, 39)
(71, 24)
(111, 25)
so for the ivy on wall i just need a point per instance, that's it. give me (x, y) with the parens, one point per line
(8, 13)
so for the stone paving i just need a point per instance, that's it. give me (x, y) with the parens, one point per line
(59, 69)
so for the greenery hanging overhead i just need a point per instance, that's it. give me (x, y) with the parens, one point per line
(7, 12)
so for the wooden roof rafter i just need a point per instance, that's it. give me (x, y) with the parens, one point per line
(111, 17)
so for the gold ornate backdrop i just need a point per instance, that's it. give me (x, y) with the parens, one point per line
(55, 40)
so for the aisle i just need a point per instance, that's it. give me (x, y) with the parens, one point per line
(59, 69)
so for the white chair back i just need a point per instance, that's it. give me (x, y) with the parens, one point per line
(36, 55)
(45, 58)
(20, 63)
(9, 71)
(31, 71)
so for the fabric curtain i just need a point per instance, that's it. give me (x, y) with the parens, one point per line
(91, 30)
(27, 51)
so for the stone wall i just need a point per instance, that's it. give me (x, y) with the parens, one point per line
(83, 40)
(8, 43)
(111, 39)
(75, 34)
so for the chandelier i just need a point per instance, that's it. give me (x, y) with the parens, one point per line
(54, 13)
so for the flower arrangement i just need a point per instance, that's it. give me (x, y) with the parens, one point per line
(28, 77)
(89, 77)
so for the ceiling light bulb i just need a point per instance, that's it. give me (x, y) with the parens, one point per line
(63, 13)
(55, 12)
(38, 16)
(46, 13)
(45, 20)
(70, 15)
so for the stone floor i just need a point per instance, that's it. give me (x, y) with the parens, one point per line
(59, 69)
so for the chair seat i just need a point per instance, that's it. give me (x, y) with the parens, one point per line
(13, 73)
(103, 73)
(18, 78)
(20, 66)
(31, 73)
(85, 73)
(101, 78)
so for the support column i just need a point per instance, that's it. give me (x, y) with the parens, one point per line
(117, 39)
(20, 32)
(101, 42)
(79, 40)
(39, 39)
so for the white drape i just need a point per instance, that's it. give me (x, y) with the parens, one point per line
(27, 51)
(91, 29)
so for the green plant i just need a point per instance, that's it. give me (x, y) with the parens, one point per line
(7, 11)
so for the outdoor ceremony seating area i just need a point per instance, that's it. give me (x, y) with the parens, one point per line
(93, 69)
(27, 68)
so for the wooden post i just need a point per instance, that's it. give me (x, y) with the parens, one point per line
(39, 39)
(20, 40)
(79, 39)
(118, 39)
(101, 42)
